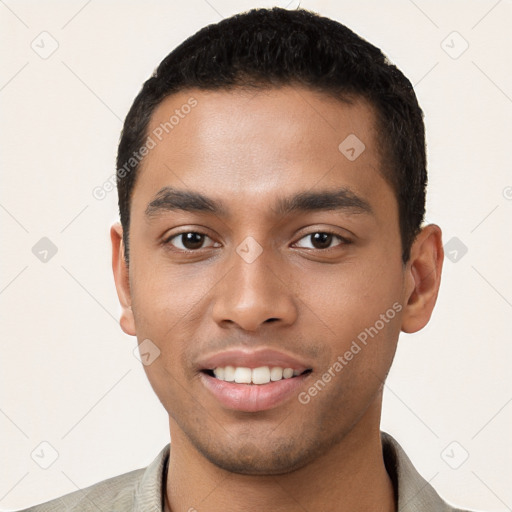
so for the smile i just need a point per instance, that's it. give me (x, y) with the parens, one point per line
(259, 376)
(253, 380)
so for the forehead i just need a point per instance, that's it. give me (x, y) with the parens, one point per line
(253, 145)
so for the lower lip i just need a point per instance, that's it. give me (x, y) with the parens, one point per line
(252, 397)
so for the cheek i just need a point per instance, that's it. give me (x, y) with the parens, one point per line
(352, 295)
(168, 385)
(169, 294)
(359, 357)
(357, 308)
(169, 308)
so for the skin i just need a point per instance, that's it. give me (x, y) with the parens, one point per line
(247, 149)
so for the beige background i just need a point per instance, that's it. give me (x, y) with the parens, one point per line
(68, 374)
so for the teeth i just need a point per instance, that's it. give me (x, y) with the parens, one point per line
(229, 373)
(287, 373)
(276, 373)
(260, 375)
(219, 373)
(243, 375)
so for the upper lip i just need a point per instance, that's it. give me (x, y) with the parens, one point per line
(252, 359)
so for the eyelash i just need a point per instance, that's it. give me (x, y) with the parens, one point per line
(167, 241)
(343, 240)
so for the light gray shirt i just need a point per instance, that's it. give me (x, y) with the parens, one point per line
(143, 490)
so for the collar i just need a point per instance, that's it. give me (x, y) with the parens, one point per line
(413, 492)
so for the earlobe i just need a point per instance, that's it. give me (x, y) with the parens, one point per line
(423, 278)
(121, 278)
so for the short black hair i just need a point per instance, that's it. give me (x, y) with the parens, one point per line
(273, 47)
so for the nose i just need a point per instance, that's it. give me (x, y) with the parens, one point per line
(254, 293)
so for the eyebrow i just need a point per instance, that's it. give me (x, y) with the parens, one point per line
(172, 199)
(341, 199)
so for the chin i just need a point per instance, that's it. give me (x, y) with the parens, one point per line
(250, 458)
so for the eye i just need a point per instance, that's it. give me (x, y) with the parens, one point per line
(189, 241)
(321, 240)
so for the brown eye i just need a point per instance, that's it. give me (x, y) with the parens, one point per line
(320, 240)
(188, 241)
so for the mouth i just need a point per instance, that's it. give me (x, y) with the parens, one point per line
(252, 381)
(254, 376)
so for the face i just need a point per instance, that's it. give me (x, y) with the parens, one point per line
(260, 248)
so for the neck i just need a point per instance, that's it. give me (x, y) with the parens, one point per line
(350, 477)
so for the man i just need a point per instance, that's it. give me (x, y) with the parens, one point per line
(271, 179)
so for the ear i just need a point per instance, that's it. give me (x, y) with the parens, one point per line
(422, 278)
(122, 279)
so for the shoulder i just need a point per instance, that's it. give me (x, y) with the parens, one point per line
(115, 492)
(140, 489)
(414, 493)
